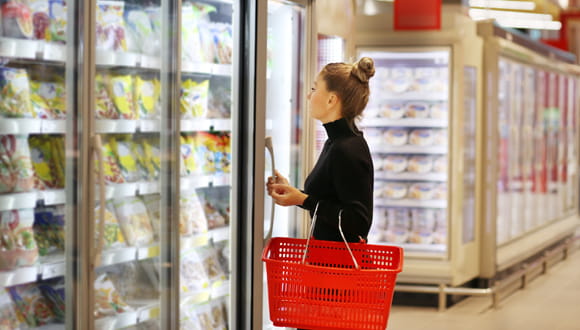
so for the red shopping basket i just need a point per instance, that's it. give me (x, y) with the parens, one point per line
(317, 284)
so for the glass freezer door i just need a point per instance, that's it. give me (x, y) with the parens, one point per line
(37, 190)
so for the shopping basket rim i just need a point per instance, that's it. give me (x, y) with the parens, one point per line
(267, 248)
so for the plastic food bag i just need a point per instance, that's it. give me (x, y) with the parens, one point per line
(15, 93)
(53, 291)
(139, 29)
(48, 99)
(111, 166)
(194, 98)
(192, 218)
(104, 105)
(147, 96)
(57, 13)
(31, 305)
(123, 146)
(107, 299)
(40, 18)
(113, 234)
(16, 173)
(49, 231)
(134, 221)
(8, 318)
(153, 205)
(132, 282)
(17, 245)
(111, 26)
(17, 20)
(121, 90)
(193, 274)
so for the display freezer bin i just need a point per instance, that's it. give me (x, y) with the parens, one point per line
(530, 152)
(421, 124)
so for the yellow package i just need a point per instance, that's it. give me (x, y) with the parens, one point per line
(15, 93)
(38, 103)
(121, 89)
(187, 154)
(126, 160)
(194, 99)
(110, 165)
(41, 156)
(147, 93)
(104, 103)
(58, 160)
(143, 163)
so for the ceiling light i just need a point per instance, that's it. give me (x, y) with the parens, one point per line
(503, 4)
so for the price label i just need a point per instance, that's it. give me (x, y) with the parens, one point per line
(54, 52)
(53, 270)
(53, 126)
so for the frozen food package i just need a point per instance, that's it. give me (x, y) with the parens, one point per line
(422, 191)
(31, 304)
(194, 98)
(140, 35)
(220, 100)
(110, 32)
(188, 317)
(440, 191)
(396, 136)
(223, 39)
(152, 156)
(104, 106)
(193, 273)
(426, 79)
(113, 237)
(40, 18)
(187, 154)
(423, 226)
(438, 110)
(417, 110)
(58, 21)
(393, 110)
(107, 299)
(420, 164)
(16, 172)
(18, 247)
(131, 282)
(399, 224)
(223, 253)
(215, 217)
(195, 17)
(121, 91)
(395, 163)
(440, 234)
(49, 231)
(53, 291)
(192, 217)
(48, 99)
(111, 168)
(400, 80)
(8, 318)
(153, 204)
(134, 220)
(17, 19)
(123, 148)
(15, 93)
(211, 262)
(218, 314)
(395, 190)
(422, 137)
(44, 158)
(440, 164)
(147, 97)
(154, 13)
(440, 137)
(374, 136)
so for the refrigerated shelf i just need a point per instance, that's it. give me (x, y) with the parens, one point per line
(407, 176)
(409, 149)
(111, 126)
(404, 122)
(441, 204)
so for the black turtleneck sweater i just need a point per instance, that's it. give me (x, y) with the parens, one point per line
(342, 179)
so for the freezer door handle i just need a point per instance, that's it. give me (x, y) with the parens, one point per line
(98, 152)
(270, 148)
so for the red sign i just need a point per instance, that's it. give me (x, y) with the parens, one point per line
(417, 15)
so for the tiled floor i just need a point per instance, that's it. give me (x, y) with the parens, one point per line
(549, 302)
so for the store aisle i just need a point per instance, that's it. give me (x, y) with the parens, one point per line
(551, 301)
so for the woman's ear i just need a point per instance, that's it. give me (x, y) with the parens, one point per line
(332, 99)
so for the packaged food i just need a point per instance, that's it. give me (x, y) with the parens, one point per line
(395, 190)
(31, 305)
(139, 29)
(393, 111)
(113, 237)
(17, 20)
(438, 110)
(123, 145)
(395, 163)
(154, 13)
(53, 291)
(188, 317)
(131, 282)
(134, 220)
(417, 110)
(15, 93)
(195, 18)
(399, 225)
(48, 99)
(58, 21)
(206, 146)
(104, 105)
(152, 156)
(440, 233)
(18, 246)
(110, 32)
(420, 164)
(193, 274)
(425, 79)
(440, 191)
(223, 42)
(396, 136)
(422, 191)
(440, 137)
(423, 226)
(187, 154)
(49, 232)
(219, 100)
(401, 80)
(422, 137)
(107, 298)
(192, 216)
(194, 98)
(374, 136)
(16, 171)
(40, 18)
(147, 93)
(121, 91)
(440, 164)
(8, 318)
(44, 161)
(111, 168)
(153, 205)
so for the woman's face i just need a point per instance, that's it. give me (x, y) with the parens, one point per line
(322, 103)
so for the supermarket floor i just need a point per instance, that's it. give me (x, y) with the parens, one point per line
(551, 301)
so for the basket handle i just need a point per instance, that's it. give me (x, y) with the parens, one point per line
(341, 234)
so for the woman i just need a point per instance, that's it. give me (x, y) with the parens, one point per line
(342, 178)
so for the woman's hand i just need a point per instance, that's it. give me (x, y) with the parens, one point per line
(278, 179)
(286, 195)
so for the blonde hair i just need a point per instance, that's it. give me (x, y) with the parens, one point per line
(351, 83)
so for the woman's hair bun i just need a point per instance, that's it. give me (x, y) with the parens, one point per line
(364, 69)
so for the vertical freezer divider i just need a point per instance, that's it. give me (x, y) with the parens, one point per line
(98, 150)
